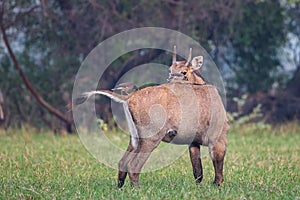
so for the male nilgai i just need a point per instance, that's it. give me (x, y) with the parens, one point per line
(176, 112)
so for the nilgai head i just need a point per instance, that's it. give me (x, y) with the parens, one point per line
(185, 70)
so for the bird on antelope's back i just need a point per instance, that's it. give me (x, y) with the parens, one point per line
(126, 88)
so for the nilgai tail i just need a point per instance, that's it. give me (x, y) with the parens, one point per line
(86, 95)
(119, 99)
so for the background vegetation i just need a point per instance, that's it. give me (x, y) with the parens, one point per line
(255, 44)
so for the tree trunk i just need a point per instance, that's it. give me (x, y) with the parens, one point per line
(294, 85)
(28, 84)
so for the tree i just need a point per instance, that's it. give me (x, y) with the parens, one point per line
(4, 26)
(293, 23)
(255, 39)
(51, 41)
(56, 38)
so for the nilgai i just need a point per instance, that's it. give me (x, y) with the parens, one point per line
(175, 112)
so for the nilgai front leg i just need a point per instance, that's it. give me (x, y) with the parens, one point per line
(194, 150)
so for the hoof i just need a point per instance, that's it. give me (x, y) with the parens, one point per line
(120, 184)
(217, 183)
(199, 180)
(134, 184)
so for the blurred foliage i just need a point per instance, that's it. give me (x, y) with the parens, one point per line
(238, 120)
(255, 40)
(52, 40)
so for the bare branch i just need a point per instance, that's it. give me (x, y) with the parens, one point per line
(20, 16)
(138, 60)
(27, 83)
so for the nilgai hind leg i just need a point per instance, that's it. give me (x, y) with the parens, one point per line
(135, 160)
(194, 150)
(128, 155)
(217, 152)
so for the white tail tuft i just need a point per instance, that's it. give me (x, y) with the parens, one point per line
(120, 99)
(131, 126)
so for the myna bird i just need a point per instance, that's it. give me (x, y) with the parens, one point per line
(126, 88)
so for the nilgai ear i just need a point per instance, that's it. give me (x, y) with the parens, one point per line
(197, 62)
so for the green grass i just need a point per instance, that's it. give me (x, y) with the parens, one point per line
(260, 164)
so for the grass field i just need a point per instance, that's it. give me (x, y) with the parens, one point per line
(260, 164)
